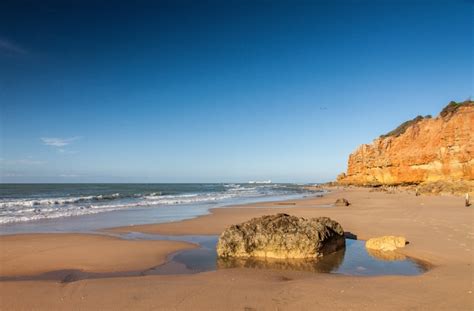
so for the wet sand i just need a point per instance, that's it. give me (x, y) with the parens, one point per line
(33, 254)
(439, 228)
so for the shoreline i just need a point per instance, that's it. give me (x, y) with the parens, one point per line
(439, 230)
(95, 222)
(266, 206)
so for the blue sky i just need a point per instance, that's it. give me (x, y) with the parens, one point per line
(188, 91)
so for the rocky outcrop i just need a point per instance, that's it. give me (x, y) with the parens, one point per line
(385, 243)
(421, 150)
(281, 236)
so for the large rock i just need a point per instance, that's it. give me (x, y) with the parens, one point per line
(281, 236)
(422, 150)
(385, 243)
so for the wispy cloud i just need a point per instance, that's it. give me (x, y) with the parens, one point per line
(21, 162)
(11, 175)
(68, 175)
(58, 142)
(61, 150)
(8, 47)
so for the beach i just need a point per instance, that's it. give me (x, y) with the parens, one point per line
(439, 230)
(236, 155)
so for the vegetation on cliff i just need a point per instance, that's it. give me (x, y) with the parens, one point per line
(451, 108)
(403, 127)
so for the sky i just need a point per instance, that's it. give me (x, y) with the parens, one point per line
(218, 91)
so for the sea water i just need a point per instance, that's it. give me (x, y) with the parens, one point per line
(88, 207)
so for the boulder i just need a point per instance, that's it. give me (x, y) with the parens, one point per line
(386, 243)
(342, 202)
(281, 236)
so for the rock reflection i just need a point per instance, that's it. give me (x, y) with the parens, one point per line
(385, 255)
(325, 264)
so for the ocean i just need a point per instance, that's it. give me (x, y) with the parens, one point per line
(86, 207)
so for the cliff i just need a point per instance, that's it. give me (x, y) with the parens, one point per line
(421, 150)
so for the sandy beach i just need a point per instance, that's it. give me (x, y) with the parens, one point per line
(236, 155)
(439, 230)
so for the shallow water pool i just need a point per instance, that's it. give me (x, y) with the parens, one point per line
(355, 259)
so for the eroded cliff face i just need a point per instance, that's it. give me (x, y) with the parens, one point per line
(424, 150)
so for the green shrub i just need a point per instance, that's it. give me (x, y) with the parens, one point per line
(402, 127)
(453, 106)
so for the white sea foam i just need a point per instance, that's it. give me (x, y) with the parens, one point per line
(28, 209)
(56, 201)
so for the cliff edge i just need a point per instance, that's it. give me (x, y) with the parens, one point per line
(422, 150)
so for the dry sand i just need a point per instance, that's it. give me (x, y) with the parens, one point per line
(440, 230)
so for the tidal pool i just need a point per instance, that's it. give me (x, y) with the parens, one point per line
(353, 260)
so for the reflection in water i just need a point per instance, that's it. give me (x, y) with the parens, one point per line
(385, 255)
(357, 261)
(325, 264)
(354, 260)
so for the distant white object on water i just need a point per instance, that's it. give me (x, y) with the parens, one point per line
(260, 182)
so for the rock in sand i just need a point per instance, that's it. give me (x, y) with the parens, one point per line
(386, 243)
(281, 236)
(342, 202)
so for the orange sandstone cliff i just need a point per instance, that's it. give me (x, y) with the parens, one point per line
(421, 150)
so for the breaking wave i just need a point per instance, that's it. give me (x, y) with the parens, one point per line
(27, 209)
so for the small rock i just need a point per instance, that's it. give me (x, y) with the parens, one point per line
(386, 243)
(342, 202)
